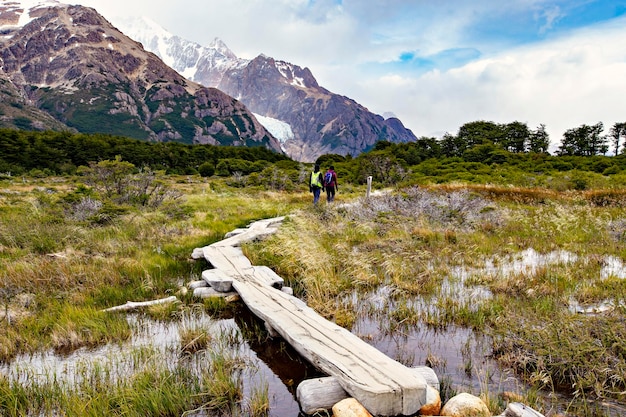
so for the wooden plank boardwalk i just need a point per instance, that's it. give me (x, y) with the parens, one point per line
(383, 386)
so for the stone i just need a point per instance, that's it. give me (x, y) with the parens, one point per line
(433, 403)
(465, 405)
(319, 394)
(232, 298)
(349, 408)
(287, 290)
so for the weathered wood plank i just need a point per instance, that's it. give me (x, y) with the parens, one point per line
(382, 385)
(133, 305)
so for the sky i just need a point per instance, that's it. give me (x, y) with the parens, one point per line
(434, 64)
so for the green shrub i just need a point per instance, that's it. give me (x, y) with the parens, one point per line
(207, 169)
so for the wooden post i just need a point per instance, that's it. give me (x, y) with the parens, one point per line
(369, 187)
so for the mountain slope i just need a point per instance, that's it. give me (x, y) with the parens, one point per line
(320, 121)
(74, 65)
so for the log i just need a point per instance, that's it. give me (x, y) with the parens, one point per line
(429, 376)
(197, 254)
(133, 305)
(217, 280)
(197, 284)
(272, 278)
(208, 292)
(382, 385)
(319, 394)
(520, 410)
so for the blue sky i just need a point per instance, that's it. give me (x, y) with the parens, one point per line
(434, 64)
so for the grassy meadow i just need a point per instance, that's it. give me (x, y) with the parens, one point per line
(66, 254)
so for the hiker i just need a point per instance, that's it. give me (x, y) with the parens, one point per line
(330, 183)
(316, 183)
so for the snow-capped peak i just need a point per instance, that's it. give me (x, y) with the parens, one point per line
(221, 47)
(184, 56)
(148, 27)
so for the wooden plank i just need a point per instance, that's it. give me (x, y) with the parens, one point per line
(384, 386)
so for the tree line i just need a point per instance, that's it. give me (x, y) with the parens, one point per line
(481, 151)
(63, 152)
(517, 137)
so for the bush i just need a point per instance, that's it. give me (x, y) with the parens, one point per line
(206, 169)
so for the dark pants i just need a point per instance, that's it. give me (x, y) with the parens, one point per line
(316, 194)
(330, 194)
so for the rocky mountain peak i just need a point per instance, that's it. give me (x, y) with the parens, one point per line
(221, 48)
(73, 64)
(285, 94)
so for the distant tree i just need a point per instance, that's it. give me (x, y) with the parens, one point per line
(331, 158)
(516, 137)
(480, 132)
(539, 140)
(111, 178)
(382, 145)
(382, 166)
(452, 145)
(584, 141)
(617, 132)
(427, 147)
(481, 153)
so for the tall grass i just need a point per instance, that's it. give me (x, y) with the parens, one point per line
(59, 269)
(57, 272)
(413, 242)
(136, 255)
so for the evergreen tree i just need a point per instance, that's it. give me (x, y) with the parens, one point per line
(539, 140)
(584, 140)
(617, 132)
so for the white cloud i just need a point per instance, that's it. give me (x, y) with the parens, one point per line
(562, 82)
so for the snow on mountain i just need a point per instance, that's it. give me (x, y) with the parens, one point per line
(281, 130)
(204, 64)
(286, 99)
(186, 57)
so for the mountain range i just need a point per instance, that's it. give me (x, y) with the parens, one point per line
(66, 67)
(314, 120)
(69, 66)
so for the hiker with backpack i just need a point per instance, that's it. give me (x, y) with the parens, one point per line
(330, 184)
(316, 183)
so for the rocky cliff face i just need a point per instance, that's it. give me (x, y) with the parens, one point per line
(72, 64)
(320, 121)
